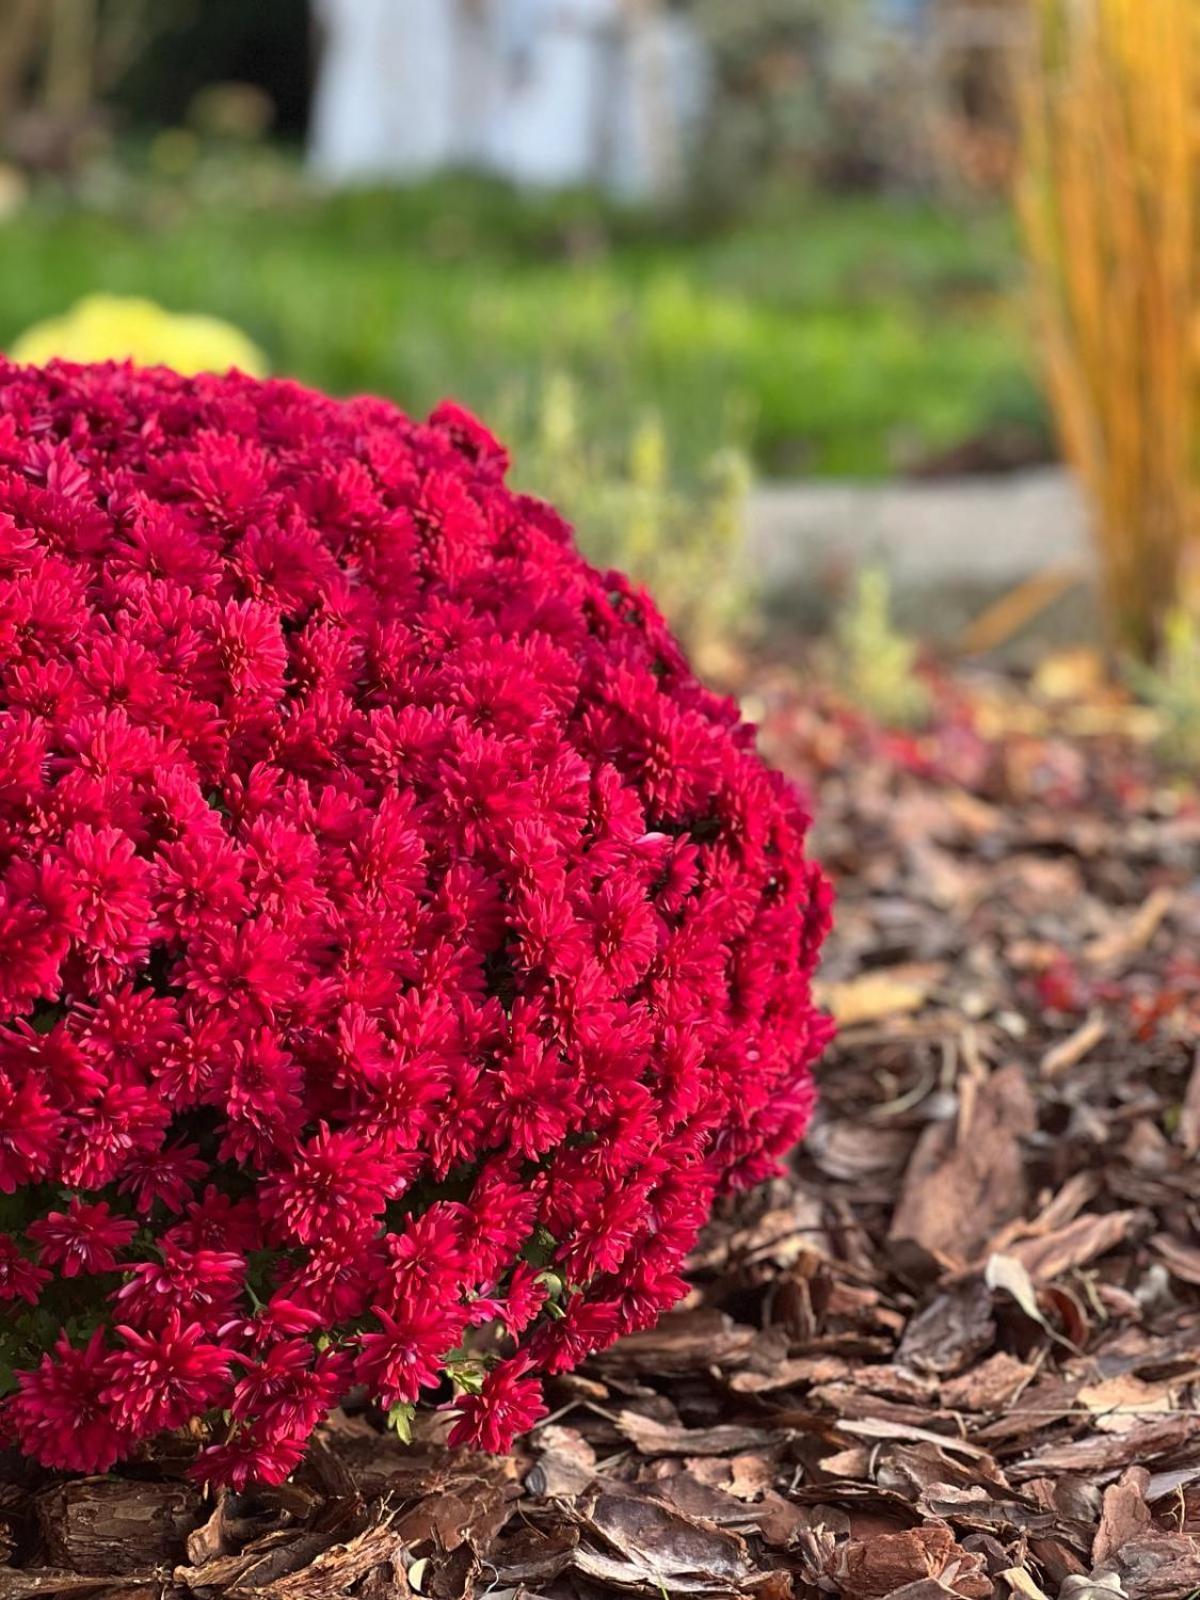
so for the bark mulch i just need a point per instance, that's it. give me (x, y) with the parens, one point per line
(955, 1352)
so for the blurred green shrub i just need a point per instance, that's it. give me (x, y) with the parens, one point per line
(875, 666)
(847, 337)
(1171, 688)
(802, 88)
(683, 544)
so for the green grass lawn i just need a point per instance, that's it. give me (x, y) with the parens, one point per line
(845, 338)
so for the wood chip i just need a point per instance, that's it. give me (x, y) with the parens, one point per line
(894, 992)
(1069, 1052)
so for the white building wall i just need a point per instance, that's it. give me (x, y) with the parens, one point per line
(550, 93)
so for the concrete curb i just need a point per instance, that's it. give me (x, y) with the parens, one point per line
(950, 546)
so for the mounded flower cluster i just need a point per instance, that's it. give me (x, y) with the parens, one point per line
(399, 948)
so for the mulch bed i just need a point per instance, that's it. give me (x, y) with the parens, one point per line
(955, 1352)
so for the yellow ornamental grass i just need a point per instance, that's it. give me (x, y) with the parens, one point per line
(105, 327)
(1108, 202)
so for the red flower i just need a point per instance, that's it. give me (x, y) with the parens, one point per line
(509, 1402)
(291, 1389)
(19, 1278)
(336, 1186)
(165, 1175)
(162, 1379)
(108, 1132)
(523, 1299)
(33, 943)
(112, 891)
(28, 1124)
(201, 1285)
(60, 1415)
(82, 1239)
(407, 1356)
(252, 1456)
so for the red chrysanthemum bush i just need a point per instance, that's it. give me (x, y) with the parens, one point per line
(399, 948)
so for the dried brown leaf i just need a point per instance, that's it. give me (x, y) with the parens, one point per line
(964, 1182)
(956, 1327)
(1120, 1403)
(333, 1572)
(877, 1568)
(662, 1439)
(1188, 1130)
(1124, 1517)
(1102, 1452)
(50, 1581)
(634, 1542)
(1155, 1566)
(989, 1386)
(876, 1428)
(681, 1342)
(275, 1557)
(889, 992)
(1074, 1245)
(1182, 1260)
(565, 1466)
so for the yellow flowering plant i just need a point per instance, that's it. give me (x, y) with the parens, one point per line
(105, 327)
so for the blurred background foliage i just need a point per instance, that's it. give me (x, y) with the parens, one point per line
(810, 299)
(684, 543)
(840, 289)
(858, 335)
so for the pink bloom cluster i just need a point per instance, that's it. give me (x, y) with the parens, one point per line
(399, 948)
